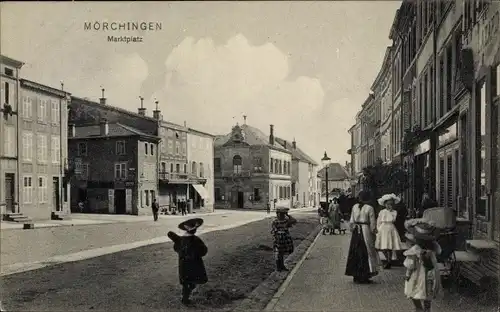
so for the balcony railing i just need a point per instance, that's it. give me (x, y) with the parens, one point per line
(173, 176)
(234, 173)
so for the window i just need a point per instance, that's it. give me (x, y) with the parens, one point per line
(256, 194)
(84, 175)
(41, 145)
(202, 170)
(257, 164)
(185, 168)
(171, 167)
(42, 189)
(177, 168)
(120, 170)
(27, 107)
(194, 170)
(8, 71)
(163, 167)
(120, 148)
(27, 190)
(271, 168)
(152, 149)
(10, 141)
(7, 93)
(145, 148)
(177, 148)
(55, 149)
(170, 146)
(449, 77)
(153, 195)
(82, 149)
(146, 195)
(42, 110)
(237, 164)
(482, 209)
(217, 194)
(217, 165)
(27, 146)
(55, 112)
(184, 148)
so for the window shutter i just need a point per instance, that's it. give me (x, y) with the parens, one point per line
(441, 182)
(449, 181)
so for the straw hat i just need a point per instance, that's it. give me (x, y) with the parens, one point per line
(386, 197)
(191, 224)
(282, 209)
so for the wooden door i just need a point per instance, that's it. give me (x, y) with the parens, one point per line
(55, 194)
(10, 192)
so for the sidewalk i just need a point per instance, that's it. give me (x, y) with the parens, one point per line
(319, 284)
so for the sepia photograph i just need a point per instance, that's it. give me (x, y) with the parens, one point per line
(233, 156)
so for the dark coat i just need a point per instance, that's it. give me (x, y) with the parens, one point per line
(191, 250)
(401, 217)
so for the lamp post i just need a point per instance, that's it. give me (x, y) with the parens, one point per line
(326, 162)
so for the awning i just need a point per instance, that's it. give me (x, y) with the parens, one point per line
(201, 190)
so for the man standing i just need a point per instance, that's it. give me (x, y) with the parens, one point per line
(268, 207)
(156, 208)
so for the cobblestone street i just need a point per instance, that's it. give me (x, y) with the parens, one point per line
(320, 285)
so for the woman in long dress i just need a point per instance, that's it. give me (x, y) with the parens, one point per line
(362, 261)
(388, 240)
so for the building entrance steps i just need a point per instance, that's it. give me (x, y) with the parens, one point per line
(319, 284)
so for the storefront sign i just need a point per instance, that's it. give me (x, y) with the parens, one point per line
(423, 147)
(449, 135)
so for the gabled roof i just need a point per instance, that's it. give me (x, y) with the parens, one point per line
(336, 172)
(252, 136)
(10, 61)
(114, 130)
(297, 153)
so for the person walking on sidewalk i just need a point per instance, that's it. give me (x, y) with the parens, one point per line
(191, 250)
(423, 281)
(363, 261)
(334, 217)
(156, 209)
(282, 240)
(268, 208)
(388, 240)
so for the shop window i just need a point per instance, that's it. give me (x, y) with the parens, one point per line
(441, 181)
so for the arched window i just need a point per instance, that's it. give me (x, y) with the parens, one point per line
(194, 169)
(237, 163)
(202, 170)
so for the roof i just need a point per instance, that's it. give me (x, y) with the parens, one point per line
(336, 172)
(252, 136)
(10, 61)
(386, 65)
(25, 83)
(296, 152)
(194, 131)
(114, 130)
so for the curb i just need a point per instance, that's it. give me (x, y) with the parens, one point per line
(261, 296)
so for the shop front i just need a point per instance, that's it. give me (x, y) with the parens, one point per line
(447, 165)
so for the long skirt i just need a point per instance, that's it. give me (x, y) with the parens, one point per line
(358, 258)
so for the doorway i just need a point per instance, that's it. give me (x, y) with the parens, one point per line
(241, 199)
(55, 194)
(10, 192)
(120, 202)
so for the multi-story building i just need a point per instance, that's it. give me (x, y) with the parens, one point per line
(338, 180)
(115, 168)
(174, 175)
(304, 173)
(251, 169)
(200, 156)
(382, 88)
(9, 146)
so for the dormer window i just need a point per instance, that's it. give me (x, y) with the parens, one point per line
(8, 71)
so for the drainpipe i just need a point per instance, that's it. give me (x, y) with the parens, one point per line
(433, 136)
(18, 147)
(61, 163)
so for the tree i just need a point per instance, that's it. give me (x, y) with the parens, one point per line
(383, 179)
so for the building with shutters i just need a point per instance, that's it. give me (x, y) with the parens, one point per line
(251, 170)
(304, 176)
(200, 157)
(115, 168)
(34, 151)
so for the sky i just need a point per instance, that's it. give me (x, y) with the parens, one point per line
(305, 67)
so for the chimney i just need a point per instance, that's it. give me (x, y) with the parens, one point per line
(271, 134)
(244, 119)
(294, 144)
(102, 100)
(284, 144)
(142, 109)
(72, 130)
(104, 127)
(157, 112)
(185, 124)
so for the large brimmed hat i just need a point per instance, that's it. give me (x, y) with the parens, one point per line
(191, 224)
(364, 197)
(386, 197)
(422, 231)
(282, 209)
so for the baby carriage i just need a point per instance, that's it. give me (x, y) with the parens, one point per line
(445, 220)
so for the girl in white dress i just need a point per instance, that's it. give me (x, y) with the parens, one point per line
(388, 240)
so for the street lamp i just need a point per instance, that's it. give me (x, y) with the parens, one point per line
(326, 162)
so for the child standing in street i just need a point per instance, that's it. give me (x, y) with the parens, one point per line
(282, 240)
(423, 281)
(191, 250)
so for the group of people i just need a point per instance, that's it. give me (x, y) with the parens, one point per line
(371, 234)
(331, 218)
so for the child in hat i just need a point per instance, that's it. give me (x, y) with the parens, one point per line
(191, 250)
(423, 281)
(282, 240)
